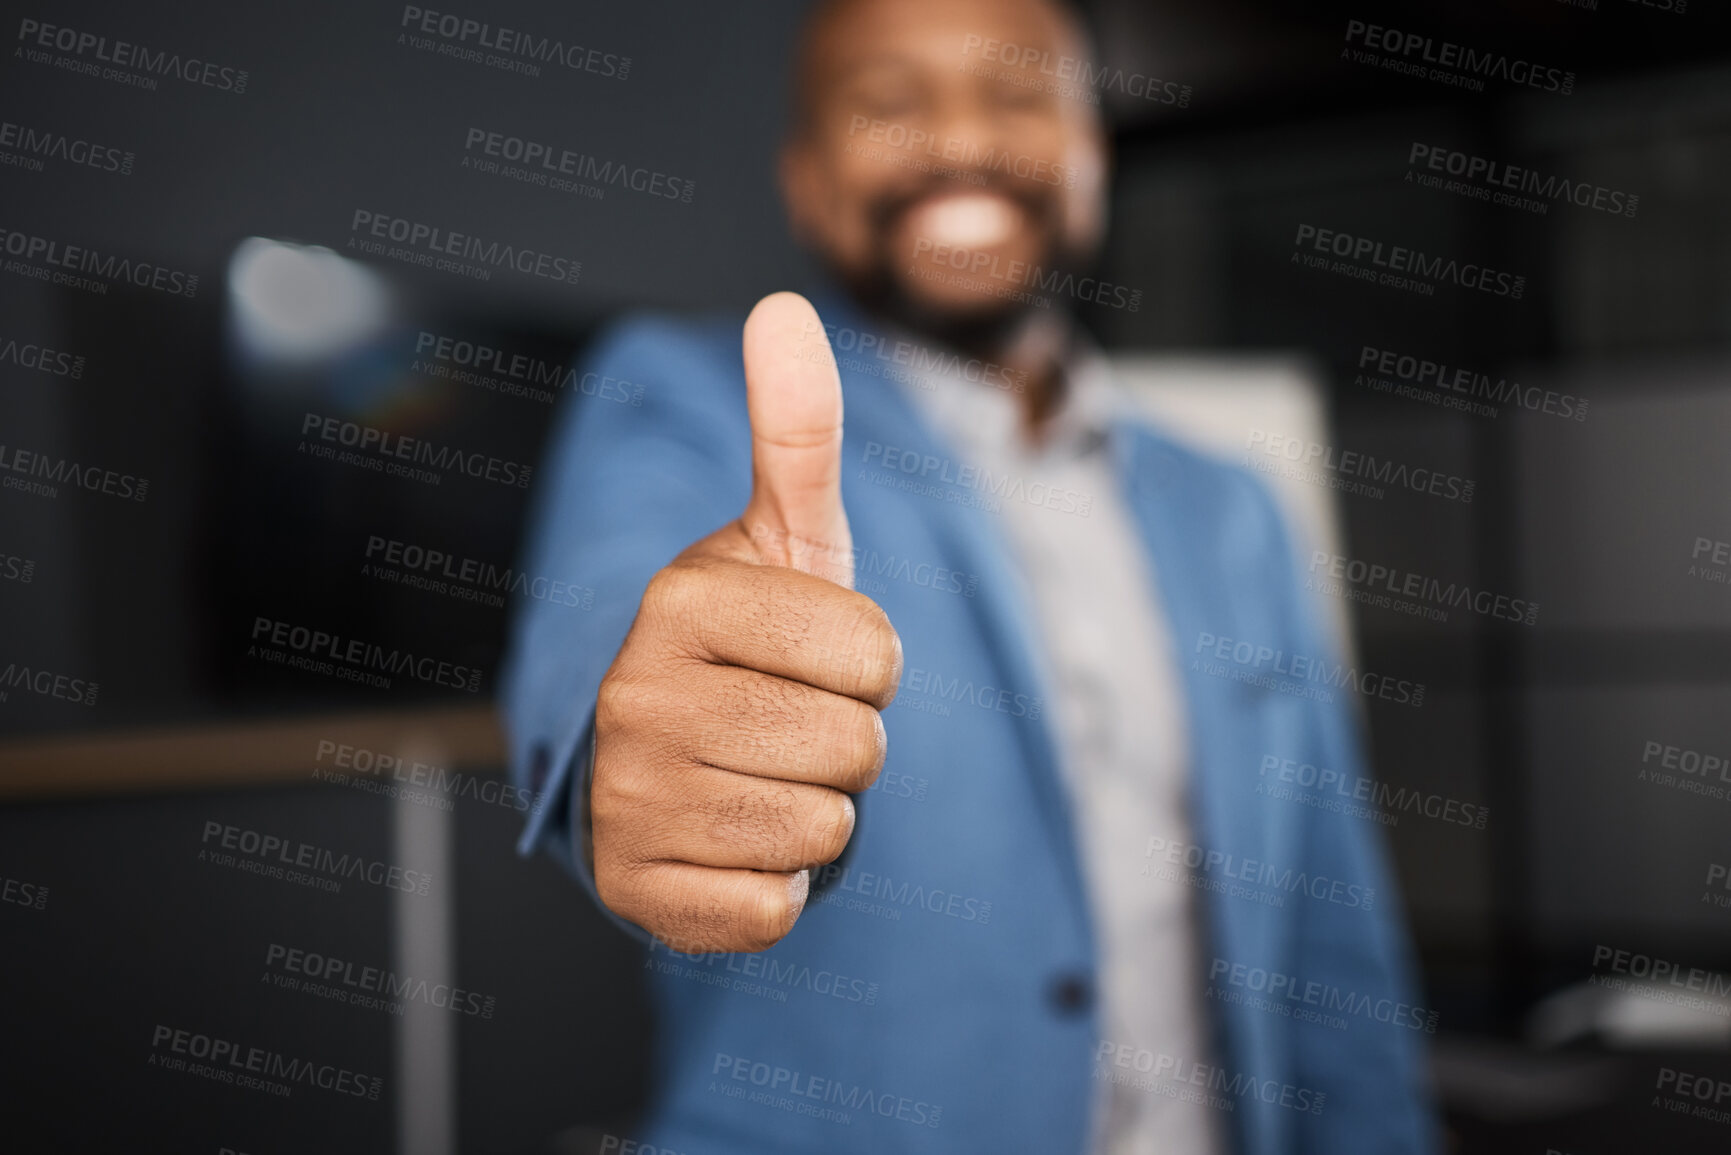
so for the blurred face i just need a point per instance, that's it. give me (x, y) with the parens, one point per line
(931, 168)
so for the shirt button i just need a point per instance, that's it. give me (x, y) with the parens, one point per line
(1070, 994)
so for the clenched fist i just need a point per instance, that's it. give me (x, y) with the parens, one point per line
(742, 708)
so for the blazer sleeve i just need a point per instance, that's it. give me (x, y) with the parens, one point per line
(650, 451)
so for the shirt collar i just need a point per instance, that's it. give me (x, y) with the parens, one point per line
(978, 406)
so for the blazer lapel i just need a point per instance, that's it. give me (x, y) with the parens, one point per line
(878, 411)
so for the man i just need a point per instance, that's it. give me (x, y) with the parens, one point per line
(1035, 904)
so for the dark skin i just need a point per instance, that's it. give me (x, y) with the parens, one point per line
(884, 86)
(743, 709)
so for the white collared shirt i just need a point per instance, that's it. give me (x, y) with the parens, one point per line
(1114, 681)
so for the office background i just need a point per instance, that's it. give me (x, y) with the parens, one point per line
(1598, 520)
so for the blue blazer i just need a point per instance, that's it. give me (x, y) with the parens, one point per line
(935, 995)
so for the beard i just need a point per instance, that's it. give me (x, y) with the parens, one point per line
(979, 329)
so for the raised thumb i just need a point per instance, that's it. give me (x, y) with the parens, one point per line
(793, 395)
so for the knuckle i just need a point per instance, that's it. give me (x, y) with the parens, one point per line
(631, 805)
(877, 650)
(659, 594)
(767, 917)
(829, 832)
(618, 819)
(608, 798)
(611, 888)
(618, 700)
(671, 593)
(857, 745)
(648, 712)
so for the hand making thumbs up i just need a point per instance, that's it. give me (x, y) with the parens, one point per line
(743, 706)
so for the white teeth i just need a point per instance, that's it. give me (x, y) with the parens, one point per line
(968, 220)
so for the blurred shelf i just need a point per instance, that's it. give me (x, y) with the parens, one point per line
(232, 754)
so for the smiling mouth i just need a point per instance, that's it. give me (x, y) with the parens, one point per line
(968, 220)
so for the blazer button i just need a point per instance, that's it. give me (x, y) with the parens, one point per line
(1070, 994)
